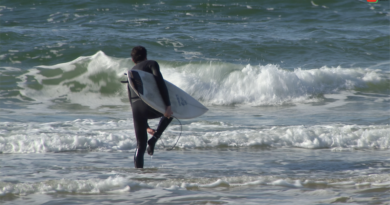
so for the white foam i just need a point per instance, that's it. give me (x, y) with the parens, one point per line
(224, 84)
(312, 137)
(118, 184)
(115, 184)
(65, 136)
(218, 183)
(89, 93)
(169, 42)
(97, 81)
(11, 69)
(88, 134)
(189, 198)
(282, 182)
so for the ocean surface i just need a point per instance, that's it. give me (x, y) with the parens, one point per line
(298, 95)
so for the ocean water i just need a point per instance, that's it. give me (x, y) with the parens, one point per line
(297, 91)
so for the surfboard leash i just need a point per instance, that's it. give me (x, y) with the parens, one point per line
(181, 131)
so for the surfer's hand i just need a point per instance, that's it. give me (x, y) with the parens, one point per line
(168, 112)
(150, 131)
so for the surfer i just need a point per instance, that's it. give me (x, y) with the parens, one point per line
(142, 112)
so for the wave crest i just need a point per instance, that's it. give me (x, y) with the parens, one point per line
(94, 81)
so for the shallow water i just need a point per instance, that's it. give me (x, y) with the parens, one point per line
(223, 175)
(298, 98)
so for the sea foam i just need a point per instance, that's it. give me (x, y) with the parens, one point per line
(266, 84)
(94, 81)
(118, 184)
(117, 135)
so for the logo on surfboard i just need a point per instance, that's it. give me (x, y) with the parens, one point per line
(181, 100)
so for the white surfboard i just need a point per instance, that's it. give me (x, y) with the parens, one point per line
(183, 105)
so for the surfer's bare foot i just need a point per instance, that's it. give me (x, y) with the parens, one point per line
(151, 143)
(150, 131)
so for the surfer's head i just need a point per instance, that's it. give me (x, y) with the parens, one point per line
(138, 54)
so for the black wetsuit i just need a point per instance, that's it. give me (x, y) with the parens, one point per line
(142, 112)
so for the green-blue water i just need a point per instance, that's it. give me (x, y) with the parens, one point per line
(297, 91)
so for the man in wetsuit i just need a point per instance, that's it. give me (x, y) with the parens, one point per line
(142, 112)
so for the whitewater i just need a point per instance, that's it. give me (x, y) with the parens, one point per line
(298, 96)
(264, 123)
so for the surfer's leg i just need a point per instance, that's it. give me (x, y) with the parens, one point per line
(140, 125)
(140, 132)
(164, 122)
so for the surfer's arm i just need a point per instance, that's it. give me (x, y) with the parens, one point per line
(160, 83)
(168, 112)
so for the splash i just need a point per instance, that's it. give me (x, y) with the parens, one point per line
(108, 136)
(225, 84)
(94, 81)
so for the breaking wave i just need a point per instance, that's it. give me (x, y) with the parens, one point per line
(94, 81)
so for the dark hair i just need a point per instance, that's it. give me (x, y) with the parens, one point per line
(138, 54)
